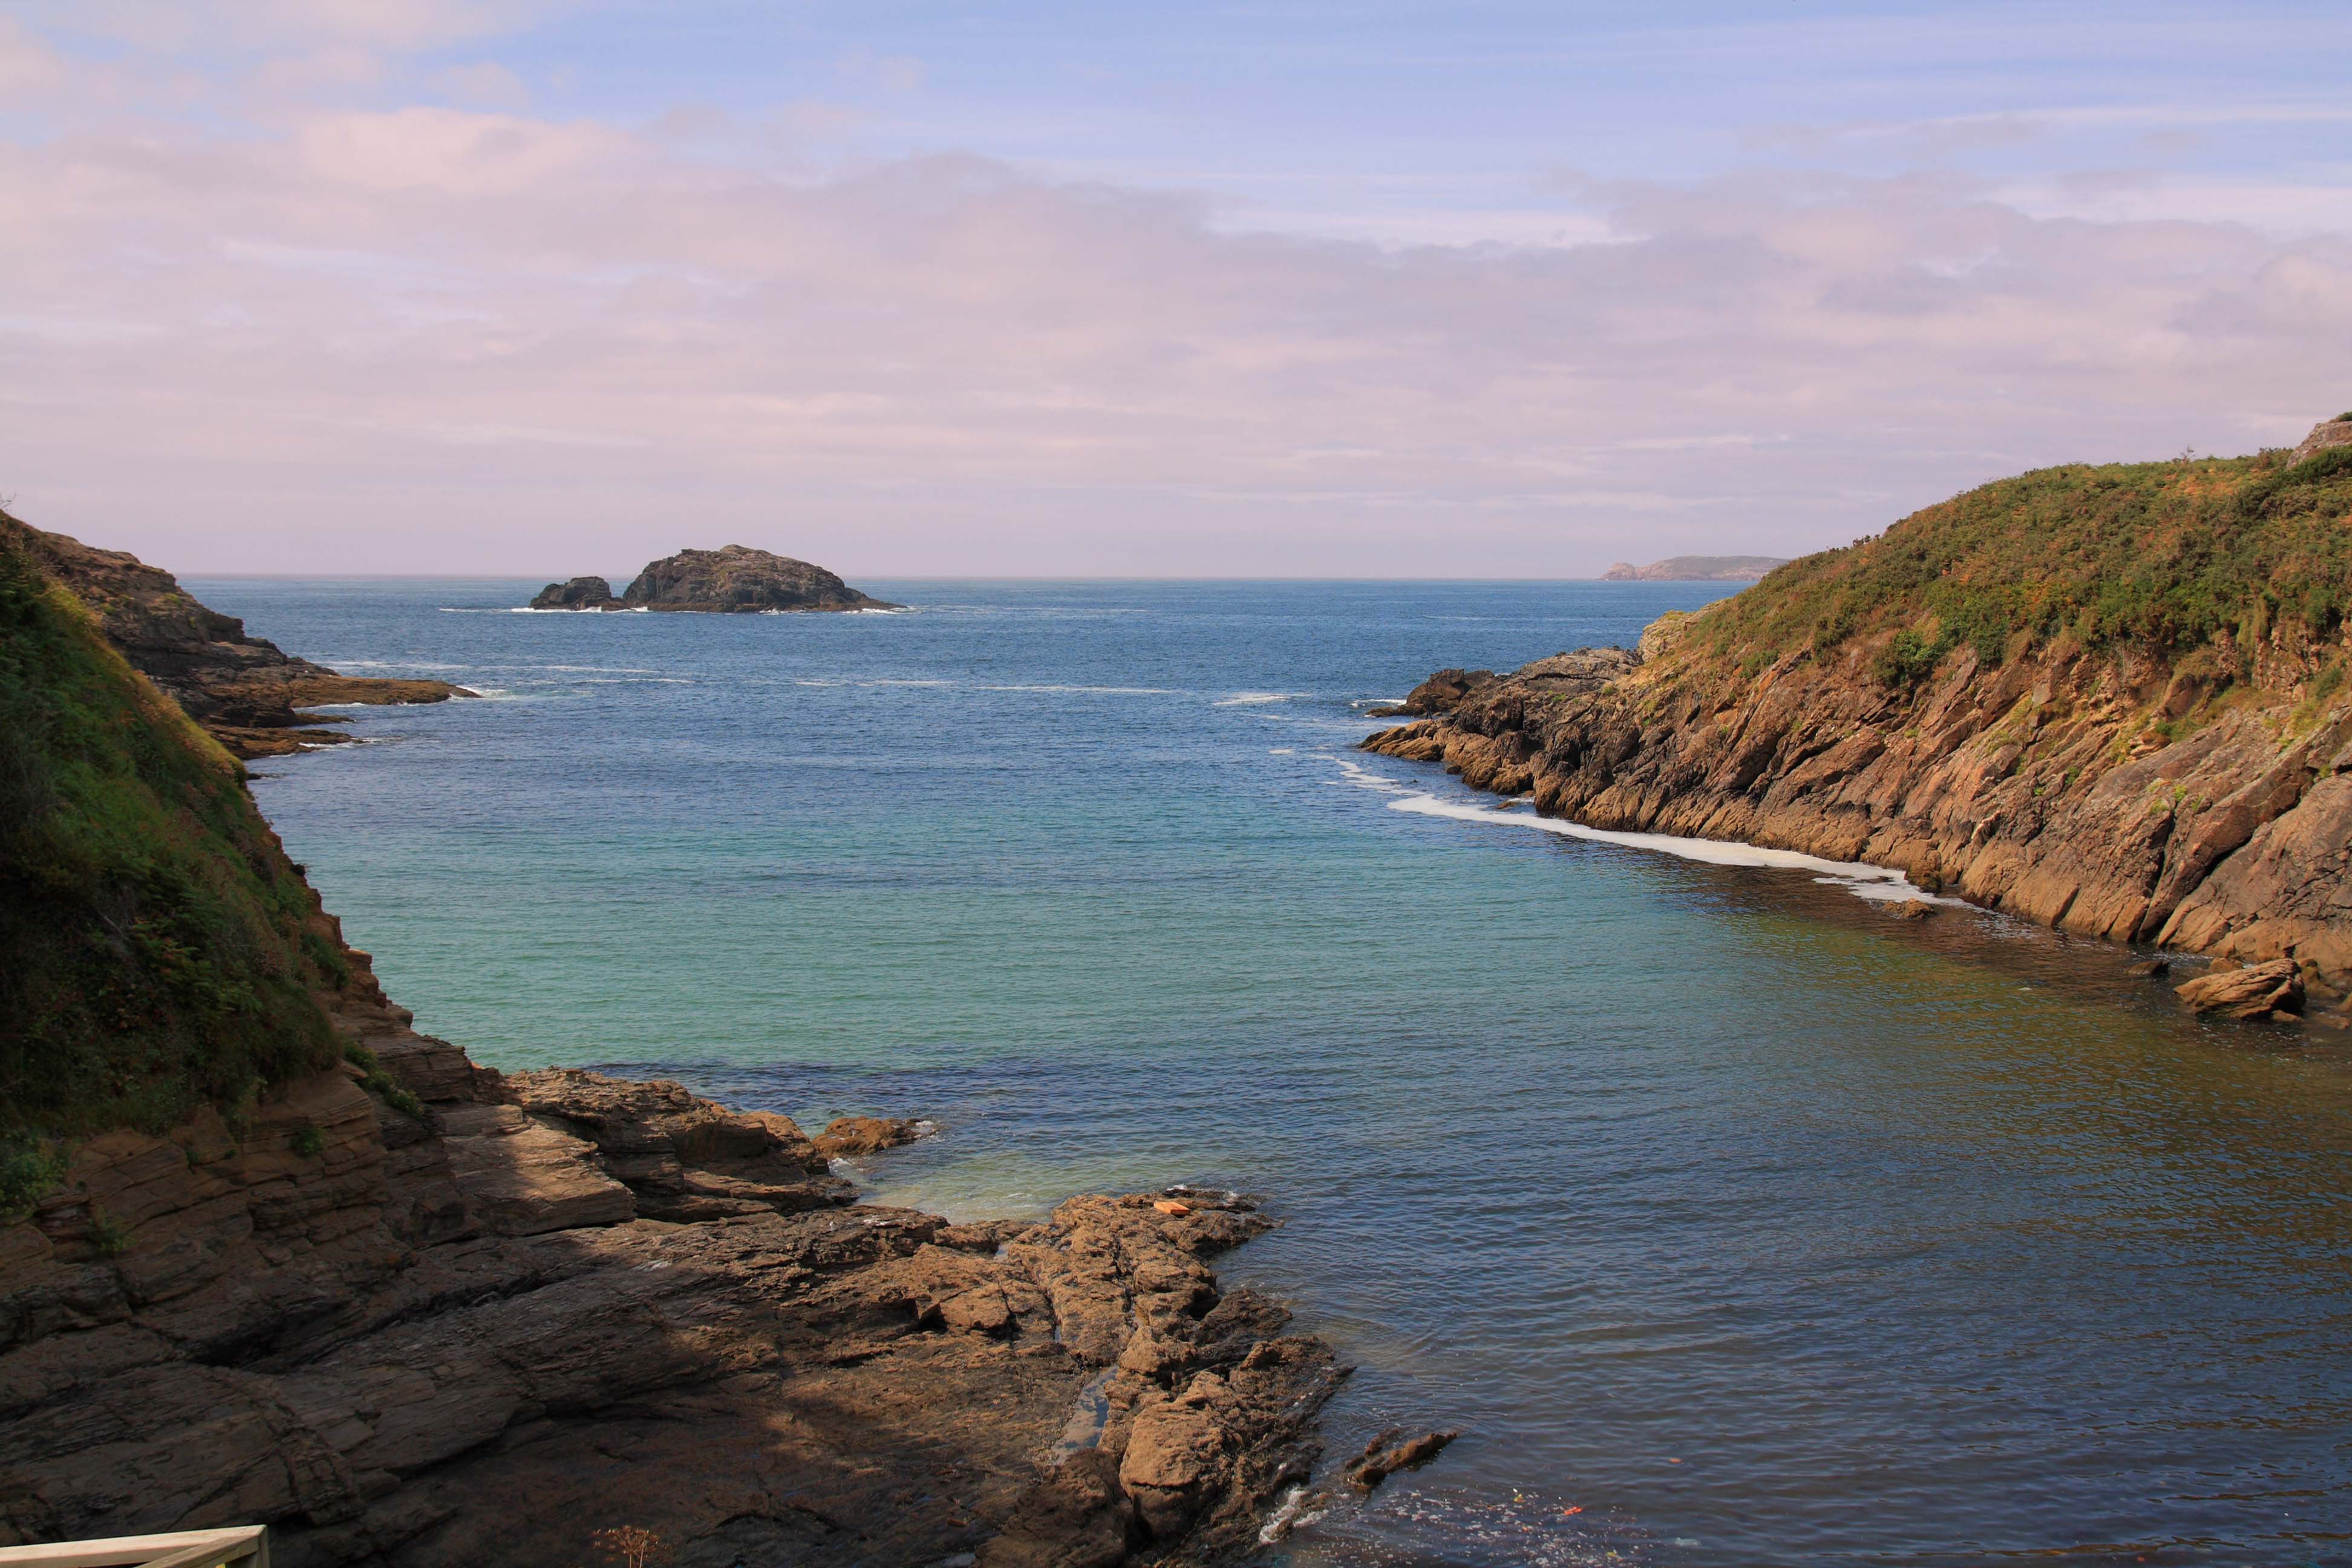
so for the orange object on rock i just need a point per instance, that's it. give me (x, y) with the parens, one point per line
(1169, 1205)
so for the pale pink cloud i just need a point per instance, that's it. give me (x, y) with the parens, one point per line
(439, 338)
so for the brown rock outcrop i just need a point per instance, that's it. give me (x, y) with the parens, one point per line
(246, 691)
(2039, 789)
(212, 1327)
(2326, 434)
(848, 1137)
(2256, 991)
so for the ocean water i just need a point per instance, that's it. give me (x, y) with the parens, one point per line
(1733, 1221)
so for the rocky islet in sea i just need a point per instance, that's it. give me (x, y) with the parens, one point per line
(735, 580)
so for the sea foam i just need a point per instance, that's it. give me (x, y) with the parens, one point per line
(1870, 881)
(1883, 883)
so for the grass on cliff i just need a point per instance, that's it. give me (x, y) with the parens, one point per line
(2169, 558)
(154, 953)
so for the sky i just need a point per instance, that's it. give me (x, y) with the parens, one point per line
(1480, 289)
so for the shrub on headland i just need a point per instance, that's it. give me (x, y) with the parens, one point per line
(2167, 558)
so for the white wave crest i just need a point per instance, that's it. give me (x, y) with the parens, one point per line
(1364, 778)
(1252, 699)
(1881, 882)
(1089, 690)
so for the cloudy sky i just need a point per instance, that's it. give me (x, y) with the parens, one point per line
(1478, 288)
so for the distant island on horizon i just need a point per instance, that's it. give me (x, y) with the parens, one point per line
(736, 579)
(1694, 569)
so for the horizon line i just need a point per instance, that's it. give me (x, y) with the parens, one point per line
(188, 573)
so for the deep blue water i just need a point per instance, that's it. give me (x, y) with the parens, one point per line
(1754, 1225)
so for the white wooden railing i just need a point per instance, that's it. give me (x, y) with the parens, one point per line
(247, 1545)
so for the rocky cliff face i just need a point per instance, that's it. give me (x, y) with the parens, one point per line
(2108, 700)
(245, 690)
(268, 1254)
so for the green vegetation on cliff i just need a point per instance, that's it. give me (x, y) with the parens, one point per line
(157, 950)
(2168, 558)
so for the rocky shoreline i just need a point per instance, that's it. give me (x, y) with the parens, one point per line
(415, 1312)
(2234, 842)
(2108, 699)
(268, 1255)
(248, 693)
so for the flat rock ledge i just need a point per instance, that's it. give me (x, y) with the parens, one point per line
(251, 696)
(557, 1303)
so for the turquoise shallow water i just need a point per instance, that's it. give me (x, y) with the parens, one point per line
(1752, 1224)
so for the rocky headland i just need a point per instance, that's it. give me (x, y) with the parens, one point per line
(1695, 569)
(268, 1254)
(2108, 699)
(248, 693)
(734, 580)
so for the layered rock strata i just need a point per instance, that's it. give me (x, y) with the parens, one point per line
(2038, 788)
(247, 692)
(545, 1305)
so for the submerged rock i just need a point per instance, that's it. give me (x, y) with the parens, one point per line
(741, 580)
(578, 594)
(845, 1137)
(1384, 1457)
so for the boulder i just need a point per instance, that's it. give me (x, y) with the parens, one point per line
(580, 594)
(741, 580)
(2256, 991)
(1172, 1454)
(846, 1137)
